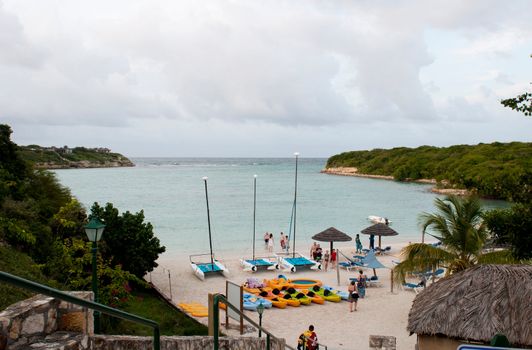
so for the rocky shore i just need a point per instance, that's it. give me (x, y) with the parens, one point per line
(352, 171)
(85, 164)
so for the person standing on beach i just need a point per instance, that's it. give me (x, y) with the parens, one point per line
(358, 244)
(372, 242)
(266, 238)
(333, 259)
(283, 241)
(326, 258)
(313, 250)
(353, 295)
(312, 338)
(361, 284)
(270, 243)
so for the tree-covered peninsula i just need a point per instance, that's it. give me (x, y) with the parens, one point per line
(495, 170)
(76, 157)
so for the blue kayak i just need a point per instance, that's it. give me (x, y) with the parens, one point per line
(341, 293)
(252, 301)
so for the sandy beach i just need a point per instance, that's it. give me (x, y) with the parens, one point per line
(381, 312)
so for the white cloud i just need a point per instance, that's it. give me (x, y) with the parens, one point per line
(246, 66)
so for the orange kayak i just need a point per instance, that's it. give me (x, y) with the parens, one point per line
(286, 297)
(279, 283)
(315, 298)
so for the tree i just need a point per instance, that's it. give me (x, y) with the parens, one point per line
(521, 103)
(128, 240)
(513, 227)
(458, 225)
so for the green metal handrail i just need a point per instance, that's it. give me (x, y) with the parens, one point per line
(216, 320)
(42, 289)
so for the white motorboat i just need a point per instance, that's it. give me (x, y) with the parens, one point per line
(379, 220)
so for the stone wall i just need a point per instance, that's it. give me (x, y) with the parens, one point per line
(100, 342)
(34, 318)
(382, 342)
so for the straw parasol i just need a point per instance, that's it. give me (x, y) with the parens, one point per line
(332, 235)
(379, 230)
(476, 304)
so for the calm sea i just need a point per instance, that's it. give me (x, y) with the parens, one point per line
(171, 193)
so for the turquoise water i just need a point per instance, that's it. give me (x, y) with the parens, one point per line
(171, 192)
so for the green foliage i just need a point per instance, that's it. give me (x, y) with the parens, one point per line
(513, 226)
(128, 240)
(20, 264)
(458, 225)
(496, 170)
(146, 303)
(40, 156)
(521, 103)
(72, 266)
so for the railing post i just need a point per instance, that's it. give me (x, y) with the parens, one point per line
(268, 341)
(156, 339)
(216, 321)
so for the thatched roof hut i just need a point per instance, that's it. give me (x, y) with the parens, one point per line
(379, 230)
(332, 234)
(476, 304)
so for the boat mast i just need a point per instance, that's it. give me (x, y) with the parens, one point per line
(254, 210)
(208, 220)
(295, 209)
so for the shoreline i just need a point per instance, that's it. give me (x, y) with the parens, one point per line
(83, 164)
(382, 312)
(352, 171)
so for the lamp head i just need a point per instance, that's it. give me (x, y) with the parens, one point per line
(260, 308)
(296, 154)
(94, 229)
(205, 178)
(255, 176)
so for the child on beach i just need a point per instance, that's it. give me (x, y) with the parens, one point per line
(333, 259)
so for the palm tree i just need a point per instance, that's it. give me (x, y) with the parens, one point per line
(459, 227)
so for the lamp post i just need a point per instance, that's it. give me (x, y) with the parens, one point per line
(94, 230)
(260, 311)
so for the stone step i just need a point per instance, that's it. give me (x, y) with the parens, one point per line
(57, 341)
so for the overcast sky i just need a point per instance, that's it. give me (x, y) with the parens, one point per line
(263, 78)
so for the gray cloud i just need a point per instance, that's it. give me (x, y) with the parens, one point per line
(284, 64)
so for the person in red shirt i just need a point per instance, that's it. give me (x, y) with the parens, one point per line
(333, 258)
(312, 338)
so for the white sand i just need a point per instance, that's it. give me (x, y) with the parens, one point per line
(380, 313)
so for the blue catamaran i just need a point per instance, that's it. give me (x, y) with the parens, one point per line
(257, 263)
(201, 268)
(294, 261)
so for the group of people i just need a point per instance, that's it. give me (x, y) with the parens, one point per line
(316, 253)
(308, 340)
(357, 290)
(270, 243)
(358, 243)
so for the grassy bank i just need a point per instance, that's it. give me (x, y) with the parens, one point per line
(146, 303)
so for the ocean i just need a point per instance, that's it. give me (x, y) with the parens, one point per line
(171, 192)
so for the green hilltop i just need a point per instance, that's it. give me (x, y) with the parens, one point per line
(495, 170)
(77, 157)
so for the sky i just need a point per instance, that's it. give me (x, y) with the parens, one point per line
(250, 78)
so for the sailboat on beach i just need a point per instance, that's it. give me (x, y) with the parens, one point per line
(202, 269)
(293, 261)
(257, 263)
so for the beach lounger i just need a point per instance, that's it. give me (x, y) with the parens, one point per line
(373, 281)
(412, 286)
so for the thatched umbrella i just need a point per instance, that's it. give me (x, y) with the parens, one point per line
(379, 230)
(332, 235)
(476, 304)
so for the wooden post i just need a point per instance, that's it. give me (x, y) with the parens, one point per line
(337, 269)
(211, 314)
(391, 281)
(170, 284)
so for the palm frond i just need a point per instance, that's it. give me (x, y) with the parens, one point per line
(420, 257)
